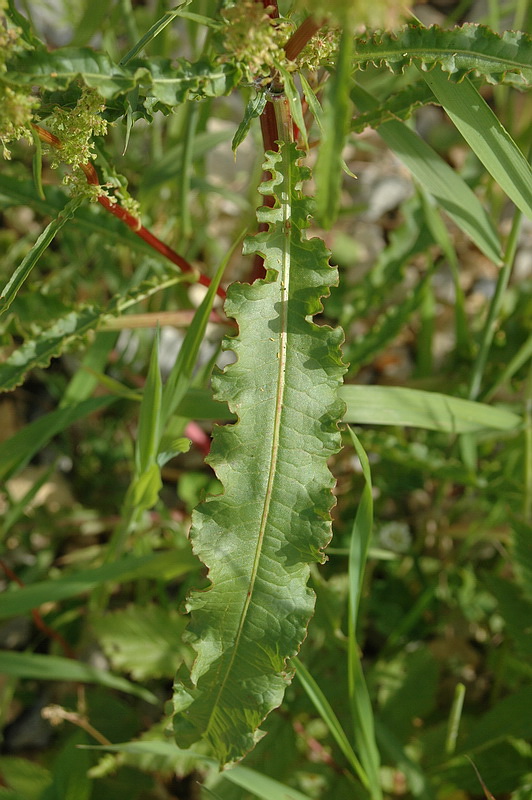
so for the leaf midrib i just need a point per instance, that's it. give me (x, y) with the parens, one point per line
(283, 280)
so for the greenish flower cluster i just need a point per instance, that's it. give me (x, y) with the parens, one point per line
(76, 127)
(16, 111)
(321, 50)
(16, 107)
(255, 40)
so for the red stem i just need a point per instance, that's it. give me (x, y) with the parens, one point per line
(131, 221)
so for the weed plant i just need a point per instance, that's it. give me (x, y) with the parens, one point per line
(267, 276)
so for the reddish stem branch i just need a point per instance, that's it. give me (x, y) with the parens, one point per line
(301, 36)
(131, 221)
(38, 620)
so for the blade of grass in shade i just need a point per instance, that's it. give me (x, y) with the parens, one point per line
(328, 171)
(449, 190)
(361, 710)
(454, 718)
(17, 509)
(521, 357)
(166, 565)
(261, 786)
(486, 136)
(54, 668)
(397, 405)
(154, 31)
(12, 287)
(494, 310)
(19, 449)
(324, 709)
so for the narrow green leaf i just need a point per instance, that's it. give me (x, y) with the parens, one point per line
(17, 451)
(362, 712)
(180, 377)
(324, 709)
(154, 31)
(455, 716)
(396, 405)
(449, 190)
(328, 172)
(253, 617)
(361, 532)
(54, 668)
(45, 239)
(262, 786)
(148, 434)
(164, 566)
(294, 101)
(254, 109)
(486, 136)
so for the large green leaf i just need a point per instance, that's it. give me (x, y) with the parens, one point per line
(274, 515)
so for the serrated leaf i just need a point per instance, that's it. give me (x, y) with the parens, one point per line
(467, 49)
(274, 515)
(168, 81)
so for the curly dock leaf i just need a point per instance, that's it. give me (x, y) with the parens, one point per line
(274, 515)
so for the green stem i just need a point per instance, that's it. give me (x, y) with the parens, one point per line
(494, 309)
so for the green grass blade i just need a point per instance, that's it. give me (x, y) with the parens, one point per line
(262, 786)
(12, 287)
(17, 451)
(486, 136)
(54, 668)
(328, 172)
(495, 308)
(362, 712)
(154, 31)
(324, 709)
(396, 405)
(148, 435)
(449, 190)
(164, 566)
(180, 376)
